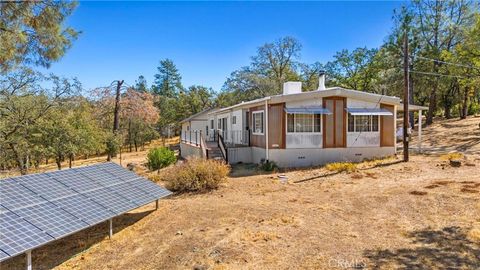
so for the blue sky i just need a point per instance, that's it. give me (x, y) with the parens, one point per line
(209, 40)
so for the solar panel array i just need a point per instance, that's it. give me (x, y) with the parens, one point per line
(39, 208)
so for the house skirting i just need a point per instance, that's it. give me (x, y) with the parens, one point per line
(286, 158)
(188, 151)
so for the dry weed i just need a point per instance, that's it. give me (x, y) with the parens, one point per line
(452, 156)
(341, 167)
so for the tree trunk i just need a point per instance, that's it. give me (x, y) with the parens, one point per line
(58, 160)
(464, 112)
(70, 160)
(448, 110)
(116, 121)
(136, 146)
(130, 134)
(20, 161)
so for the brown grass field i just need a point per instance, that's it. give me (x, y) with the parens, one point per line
(387, 214)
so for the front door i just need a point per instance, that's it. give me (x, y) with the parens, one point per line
(334, 125)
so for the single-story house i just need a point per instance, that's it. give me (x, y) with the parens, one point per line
(296, 128)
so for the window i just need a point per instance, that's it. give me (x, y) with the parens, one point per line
(374, 122)
(257, 123)
(212, 124)
(304, 123)
(362, 123)
(234, 120)
(219, 126)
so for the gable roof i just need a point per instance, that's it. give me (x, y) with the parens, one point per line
(197, 116)
(333, 91)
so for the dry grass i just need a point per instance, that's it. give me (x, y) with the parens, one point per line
(452, 156)
(318, 220)
(341, 167)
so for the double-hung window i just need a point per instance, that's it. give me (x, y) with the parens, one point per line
(304, 123)
(363, 123)
(257, 119)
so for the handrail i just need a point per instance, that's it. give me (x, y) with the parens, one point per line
(223, 148)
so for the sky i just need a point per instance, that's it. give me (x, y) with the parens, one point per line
(209, 40)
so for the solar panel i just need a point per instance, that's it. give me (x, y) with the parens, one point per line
(18, 235)
(85, 209)
(3, 255)
(111, 200)
(151, 188)
(46, 187)
(119, 172)
(13, 195)
(39, 208)
(100, 176)
(72, 179)
(52, 219)
(132, 193)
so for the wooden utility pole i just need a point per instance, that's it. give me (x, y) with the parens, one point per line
(405, 98)
(116, 122)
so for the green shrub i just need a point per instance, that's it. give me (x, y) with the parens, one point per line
(474, 108)
(268, 166)
(160, 157)
(196, 175)
(341, 167)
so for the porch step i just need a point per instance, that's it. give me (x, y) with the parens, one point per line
(215, 153)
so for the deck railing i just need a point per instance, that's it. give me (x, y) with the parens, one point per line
(231, 137)
(191, 137)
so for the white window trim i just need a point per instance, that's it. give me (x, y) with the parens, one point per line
(355, 125)
(263, 122)
(303, 133)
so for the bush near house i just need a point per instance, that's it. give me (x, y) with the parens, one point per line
(268, 166)
(197, 175)
(160, 157)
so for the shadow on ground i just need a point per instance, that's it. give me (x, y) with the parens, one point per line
(447, 248)
(57, 252)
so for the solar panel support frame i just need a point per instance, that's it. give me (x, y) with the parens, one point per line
(28, 253)
(29, 259)
(110, 230)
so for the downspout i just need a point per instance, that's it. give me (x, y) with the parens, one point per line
(394, 128)
(266, 130)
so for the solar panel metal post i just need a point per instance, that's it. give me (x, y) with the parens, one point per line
(156, 205)
(110, 231)
(29, 260)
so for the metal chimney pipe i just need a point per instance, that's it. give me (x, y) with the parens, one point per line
(321, 80)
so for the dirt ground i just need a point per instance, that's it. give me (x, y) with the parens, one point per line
(423, 214)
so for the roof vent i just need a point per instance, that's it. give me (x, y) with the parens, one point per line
(292, 88)
(321, 81)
